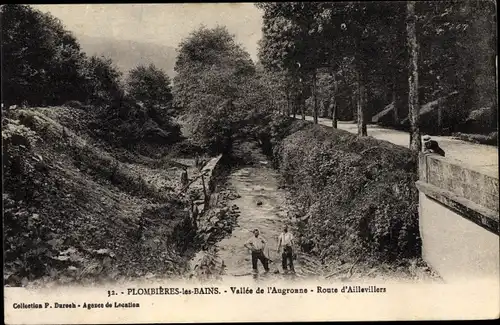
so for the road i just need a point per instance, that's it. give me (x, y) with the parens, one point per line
(482, 158)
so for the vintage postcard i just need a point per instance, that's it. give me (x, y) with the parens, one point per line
(234, 162)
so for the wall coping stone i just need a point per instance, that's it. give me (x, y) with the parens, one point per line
(472, 211)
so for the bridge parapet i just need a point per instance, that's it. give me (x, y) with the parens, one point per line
(458, 215)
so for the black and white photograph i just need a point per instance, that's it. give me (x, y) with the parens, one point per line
(271, 161)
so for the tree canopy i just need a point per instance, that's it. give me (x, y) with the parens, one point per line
(218, 87)
(43, 63)
(149, 85)
(358, 54)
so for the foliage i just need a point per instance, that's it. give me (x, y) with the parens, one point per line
(358, 195)
(288, 47)
(72, 212)
(44, 65)
(147, 109)
(456, 44)
(103, 84)
(151, 87)
(35, 50)
(218, 88)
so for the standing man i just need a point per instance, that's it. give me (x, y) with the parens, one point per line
(257, 244)
(287, 241)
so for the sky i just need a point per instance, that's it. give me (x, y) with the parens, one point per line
(163, 24)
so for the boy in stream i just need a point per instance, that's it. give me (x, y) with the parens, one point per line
(257, 244)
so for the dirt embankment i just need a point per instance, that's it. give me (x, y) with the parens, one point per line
(353, 200)
(78, 211)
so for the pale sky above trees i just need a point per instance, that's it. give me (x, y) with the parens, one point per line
(164, 24)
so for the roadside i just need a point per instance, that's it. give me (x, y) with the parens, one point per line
(479, 157)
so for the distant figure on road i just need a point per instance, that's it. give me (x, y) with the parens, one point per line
(257, 244)
(286, 240)
(431, 146)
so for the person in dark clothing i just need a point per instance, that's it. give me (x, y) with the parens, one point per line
(431, 146)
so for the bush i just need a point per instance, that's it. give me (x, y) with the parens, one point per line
(489, 139)
(357, 194)
(128, 124)
(481, 121)
(275, 130)
(74, 104)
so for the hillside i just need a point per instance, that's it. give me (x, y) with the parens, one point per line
(128, 54)
(76, 210)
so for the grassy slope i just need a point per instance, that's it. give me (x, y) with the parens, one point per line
(356, 197)
(75, 211)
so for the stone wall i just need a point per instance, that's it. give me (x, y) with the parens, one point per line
(458, 211)
(211, 170)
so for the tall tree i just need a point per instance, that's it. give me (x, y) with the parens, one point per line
(413, 98)
(102, 80)
(150, 86)
(290, 44)
(368, 42)
(217, 87)
(42, 63)
(40, 59)
(343, 30)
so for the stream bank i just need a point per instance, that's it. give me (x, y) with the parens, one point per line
(251, 196)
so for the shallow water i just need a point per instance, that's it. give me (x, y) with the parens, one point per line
(256, 184)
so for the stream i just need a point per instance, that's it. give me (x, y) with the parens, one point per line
(262, 205)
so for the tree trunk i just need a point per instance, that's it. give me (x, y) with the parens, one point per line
(334, 112)
(361, 99)
(354, 101)
(288, 103)
(315, 98)
(439, 115)
(327, 108)
(363, 108)
(358, 102)
(303, 107)
(413, 100)
(395, 107)
(295, 106)
(334, 103)
(302, 103)
(301, 99)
